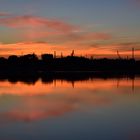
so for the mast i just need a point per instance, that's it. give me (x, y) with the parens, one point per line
(54, 54)
(72, 54)
(118, 54)
(133, 53)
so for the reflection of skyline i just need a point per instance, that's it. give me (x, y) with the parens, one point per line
(26, 103)
(51, 102)
(103, 82)
(132, 83)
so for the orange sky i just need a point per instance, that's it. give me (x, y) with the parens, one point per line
(43, 47)
(24, 34)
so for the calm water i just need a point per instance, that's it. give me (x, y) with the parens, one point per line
(95, 109)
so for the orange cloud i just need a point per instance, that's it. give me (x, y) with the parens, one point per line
(33, 21)
(85, 37)
(101, 36)
(35, 27)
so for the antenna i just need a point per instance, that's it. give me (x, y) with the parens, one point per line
(54, 54)
(72, 54)
(61, 55)
(133, 53)
(118, 54)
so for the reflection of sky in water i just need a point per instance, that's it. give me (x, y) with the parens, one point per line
(94, 109)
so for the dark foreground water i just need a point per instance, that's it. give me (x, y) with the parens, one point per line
(95, 109)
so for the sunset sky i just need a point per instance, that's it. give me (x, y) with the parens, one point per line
(90, 27)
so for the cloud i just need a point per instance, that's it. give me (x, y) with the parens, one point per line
(34, 27)
(83, 37)
(34, 21)
(94, 36)
(101, 36)
(31, 28)
(128, 46)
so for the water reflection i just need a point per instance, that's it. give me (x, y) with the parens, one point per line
(41, 100)
(40, 87)
(95, 99)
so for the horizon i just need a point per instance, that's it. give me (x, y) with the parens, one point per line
(59, 54)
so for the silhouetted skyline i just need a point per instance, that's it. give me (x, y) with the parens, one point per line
(31, 65)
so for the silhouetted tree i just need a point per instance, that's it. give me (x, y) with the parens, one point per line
(13, 58)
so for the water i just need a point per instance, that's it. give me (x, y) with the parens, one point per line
(95, 109)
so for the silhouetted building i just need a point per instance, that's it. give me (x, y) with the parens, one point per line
(46, 57)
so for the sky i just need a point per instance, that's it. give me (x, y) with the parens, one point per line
(90, 27)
